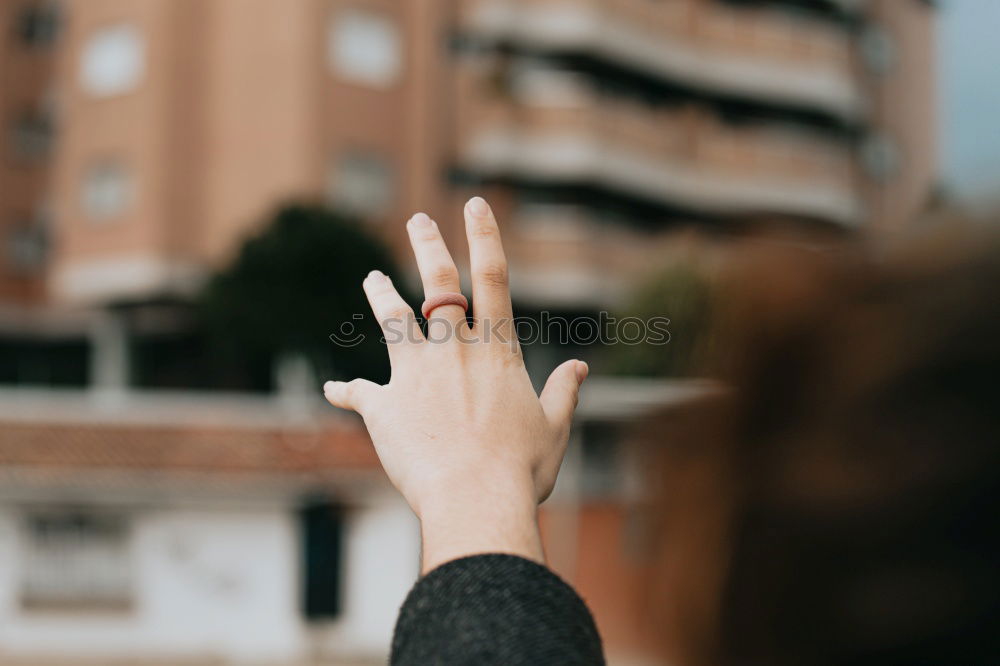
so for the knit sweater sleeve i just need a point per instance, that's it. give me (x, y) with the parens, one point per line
(494, 609)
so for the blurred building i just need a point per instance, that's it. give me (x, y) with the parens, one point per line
(143, 139)
(194, 530)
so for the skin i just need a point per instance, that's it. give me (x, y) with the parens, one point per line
(459, 428)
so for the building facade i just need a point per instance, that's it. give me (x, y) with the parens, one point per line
(175, 529)
(145, 139)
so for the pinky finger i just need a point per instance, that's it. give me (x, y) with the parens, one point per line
(353, 395)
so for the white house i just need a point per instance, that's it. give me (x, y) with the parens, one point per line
(179, 529)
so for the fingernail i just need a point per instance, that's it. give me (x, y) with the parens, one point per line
(421, 220)
(478, 206)
(582, 370)
(376, 275)
(327, 387)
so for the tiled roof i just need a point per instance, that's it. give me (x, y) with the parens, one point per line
(185, 449)
(68, 435)
(59, 435)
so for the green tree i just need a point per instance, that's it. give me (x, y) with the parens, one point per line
(292, 286)
(682, 293)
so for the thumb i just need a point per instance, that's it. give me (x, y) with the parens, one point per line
(352, 395)
(561, 392)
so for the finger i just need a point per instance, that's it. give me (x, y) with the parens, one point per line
(490, 290)
(437, 269)
(399, 324)
(354, 395)
(561, 393)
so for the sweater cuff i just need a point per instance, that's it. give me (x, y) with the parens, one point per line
(494, 609)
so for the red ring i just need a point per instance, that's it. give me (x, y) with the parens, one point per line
(450, 298)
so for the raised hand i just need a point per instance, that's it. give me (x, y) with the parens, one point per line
(458, 428)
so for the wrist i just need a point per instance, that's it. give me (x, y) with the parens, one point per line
(496, 516)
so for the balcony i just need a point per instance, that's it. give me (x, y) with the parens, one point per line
(679, 157)
(564, 256)
(756, 53)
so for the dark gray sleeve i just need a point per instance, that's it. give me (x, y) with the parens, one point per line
(494, 609)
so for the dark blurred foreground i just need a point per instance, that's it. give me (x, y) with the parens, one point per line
(839, 504)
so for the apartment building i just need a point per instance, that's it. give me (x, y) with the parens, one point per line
(142, 140)
(27, 99)
(146, 138)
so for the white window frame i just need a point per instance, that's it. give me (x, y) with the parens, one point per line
(113, 60)
(91, 193)
(360, 204)
(354, 28)
(76, 560)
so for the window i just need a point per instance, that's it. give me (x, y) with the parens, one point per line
(38, 23)
(322, 550)
(364, 47)
(361, 184)
(113, 61)
(107, 191)
(602, 463)
(76, 560)
(31, 136)
(27, 249)
(880, 156)
(878, 49)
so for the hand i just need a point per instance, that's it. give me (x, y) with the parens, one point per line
(459, 429)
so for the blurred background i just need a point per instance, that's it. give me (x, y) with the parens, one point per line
(192, 190)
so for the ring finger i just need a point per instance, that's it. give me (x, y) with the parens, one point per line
(437, 273)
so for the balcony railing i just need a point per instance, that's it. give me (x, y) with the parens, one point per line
(682, 157)
(564, 255)
(750, 52)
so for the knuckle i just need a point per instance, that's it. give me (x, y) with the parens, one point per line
(574, 396)
(494, 275)
(443, 276)
(510, 355)
(483, 231)
(396, 311)
(379, 295)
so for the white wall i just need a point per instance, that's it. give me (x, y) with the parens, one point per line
(383, 561)
(223, 582)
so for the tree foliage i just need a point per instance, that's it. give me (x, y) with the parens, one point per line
(681, 292)
(292, 286)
